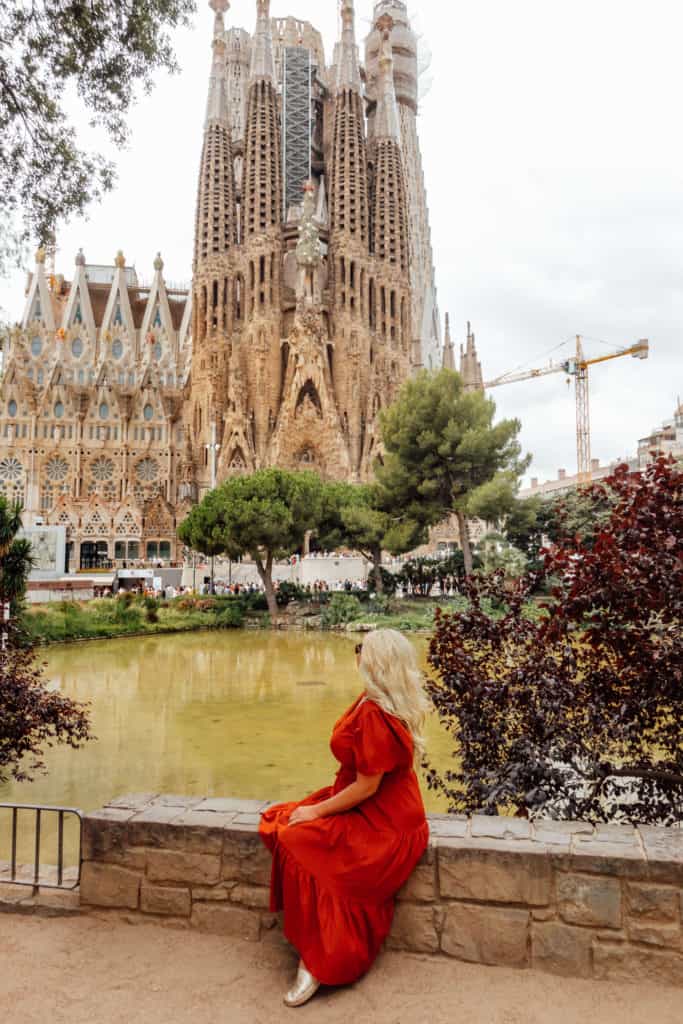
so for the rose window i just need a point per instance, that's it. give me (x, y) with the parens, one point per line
(57, 470)
(147, 471)
(11, 469)
(11, 479)
(147, 483)
(102, 469)
(102, 473)
(55, 482)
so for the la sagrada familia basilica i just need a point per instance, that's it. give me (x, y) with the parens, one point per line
(312, 300)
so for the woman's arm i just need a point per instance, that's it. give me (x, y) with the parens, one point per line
(364, 786)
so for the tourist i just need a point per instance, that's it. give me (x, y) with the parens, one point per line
(341, 855)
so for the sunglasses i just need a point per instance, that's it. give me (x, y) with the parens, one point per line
(359, 648)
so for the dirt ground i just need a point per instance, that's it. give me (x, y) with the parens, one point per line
(92, 971)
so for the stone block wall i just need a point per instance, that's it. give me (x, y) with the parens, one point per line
(603, 902)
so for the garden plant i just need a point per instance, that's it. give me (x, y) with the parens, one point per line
(577, 712)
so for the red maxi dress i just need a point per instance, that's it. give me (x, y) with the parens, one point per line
(336, 877)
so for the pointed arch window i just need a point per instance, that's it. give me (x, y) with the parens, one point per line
(77, 348)
(118, 319)
(78, 316)
(157, 318)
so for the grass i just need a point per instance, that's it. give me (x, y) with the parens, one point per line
(128, 616)
(131, 616)
(406, 614)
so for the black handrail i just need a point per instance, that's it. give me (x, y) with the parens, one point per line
(39, 810)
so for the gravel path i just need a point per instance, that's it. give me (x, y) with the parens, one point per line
(95, 971)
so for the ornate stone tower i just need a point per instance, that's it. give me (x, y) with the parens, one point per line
(425, 323)
(448, 350)
(303, 304)
(470, 367)
(214, 280)
(351, 273)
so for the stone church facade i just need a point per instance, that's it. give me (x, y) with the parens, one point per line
(312, 300)
(304, 322)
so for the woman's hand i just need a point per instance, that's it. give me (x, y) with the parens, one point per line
(302, 814)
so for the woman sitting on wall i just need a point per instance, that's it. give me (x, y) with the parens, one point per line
(340, 855)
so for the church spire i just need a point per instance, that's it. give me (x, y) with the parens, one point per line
(215, 228)
(217, 107)
(262, 176)
(262, 63)
(390, 198)
(349, 211)
(470, 367)
(348, 70)
(448, 352)
(386, 120)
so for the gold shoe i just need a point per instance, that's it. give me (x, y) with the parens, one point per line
(304, 988)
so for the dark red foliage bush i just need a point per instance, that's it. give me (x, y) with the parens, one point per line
(574, 708)
(32, 716)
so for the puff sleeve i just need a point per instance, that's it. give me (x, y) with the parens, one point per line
(380, 743)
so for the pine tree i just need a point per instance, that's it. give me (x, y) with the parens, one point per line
(446, 456)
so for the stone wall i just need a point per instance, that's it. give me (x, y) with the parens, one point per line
(602, 902)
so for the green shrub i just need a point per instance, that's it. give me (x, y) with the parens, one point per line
(231, 617)
(151, 606)
(287, 592)
(341, 609)
(257, 602)
(380, 604)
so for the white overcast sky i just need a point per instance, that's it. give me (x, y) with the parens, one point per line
(553, 157)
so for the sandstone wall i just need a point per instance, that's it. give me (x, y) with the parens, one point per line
(601, 902)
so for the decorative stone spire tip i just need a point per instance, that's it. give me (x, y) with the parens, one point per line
(262, 63)
(386, 123)
(348, 70)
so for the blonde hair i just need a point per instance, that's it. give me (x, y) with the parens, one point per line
(388, 665)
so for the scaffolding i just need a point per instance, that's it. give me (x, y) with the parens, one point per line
(297, 122)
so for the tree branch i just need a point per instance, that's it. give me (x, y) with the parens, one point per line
(655, 774)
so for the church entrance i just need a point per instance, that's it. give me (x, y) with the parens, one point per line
(95, 555)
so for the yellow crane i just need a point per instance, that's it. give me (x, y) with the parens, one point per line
(577, 367)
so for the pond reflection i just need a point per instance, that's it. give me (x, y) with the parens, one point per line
(236, 713)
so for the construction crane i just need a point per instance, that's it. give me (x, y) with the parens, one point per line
(577, 367)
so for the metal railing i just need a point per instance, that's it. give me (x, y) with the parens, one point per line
(36, 880)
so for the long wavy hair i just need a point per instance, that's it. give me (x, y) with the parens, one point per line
(393, 680)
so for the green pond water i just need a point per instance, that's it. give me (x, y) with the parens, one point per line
(235, 713)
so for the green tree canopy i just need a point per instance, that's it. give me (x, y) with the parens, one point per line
(352, 518)
(99, 52)
(15, 557)
(265, 515)
(31, 716)
(446, 456)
